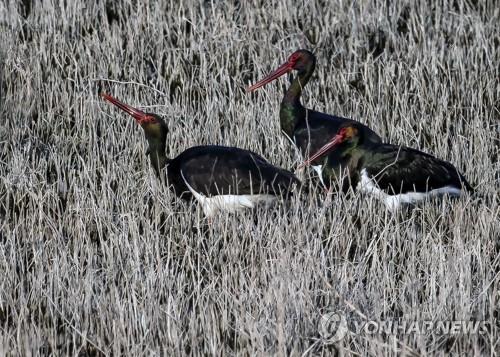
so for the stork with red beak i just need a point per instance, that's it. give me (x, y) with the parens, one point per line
(309, 129)
(218, 177)
(396, 175)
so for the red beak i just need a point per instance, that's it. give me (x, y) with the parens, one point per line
(139, 115)
(337, 139)
(283, 69)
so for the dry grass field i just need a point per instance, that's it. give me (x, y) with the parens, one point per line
(97, 257)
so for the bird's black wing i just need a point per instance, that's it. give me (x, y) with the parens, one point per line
(320, 128)
(400, 169)
(219, 170)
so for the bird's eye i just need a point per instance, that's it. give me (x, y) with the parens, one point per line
(345, 132)
(294, 57)
(147, 119)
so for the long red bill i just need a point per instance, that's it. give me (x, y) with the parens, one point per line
(139, 115)
(337, 139)
(283, 69)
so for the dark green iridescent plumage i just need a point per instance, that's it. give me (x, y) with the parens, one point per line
(397, 169)
(156, 135)
(215, 170)
(310, 129)
(210, 170)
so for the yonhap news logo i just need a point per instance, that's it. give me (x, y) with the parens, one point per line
(333, 327)
(402, 327)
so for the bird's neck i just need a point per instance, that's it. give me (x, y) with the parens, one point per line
(291, 110)
(353, 154)
(157, 156)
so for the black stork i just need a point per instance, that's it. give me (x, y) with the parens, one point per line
(308, 129)
(394, 174)
(218, 177)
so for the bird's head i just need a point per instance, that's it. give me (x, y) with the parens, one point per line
(301, 61)
(348, 135)
(154, 127)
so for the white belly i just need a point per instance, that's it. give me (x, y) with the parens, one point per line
(233, 203)
(229, 203)
(393, 202)
(319, 171)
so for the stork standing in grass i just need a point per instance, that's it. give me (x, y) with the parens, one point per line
(218, 177)
(309, 129)
(394, 174)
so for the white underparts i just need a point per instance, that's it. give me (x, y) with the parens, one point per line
(319, 171)
(393, 202)
(229, 203)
